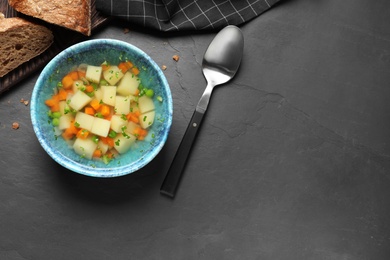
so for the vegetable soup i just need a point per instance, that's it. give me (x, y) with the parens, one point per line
(102, 110)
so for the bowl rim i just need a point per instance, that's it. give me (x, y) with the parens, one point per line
(88, 170)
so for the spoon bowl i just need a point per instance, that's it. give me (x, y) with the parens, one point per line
(220, 63)
(224, 53)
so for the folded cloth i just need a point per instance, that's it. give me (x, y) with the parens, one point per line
(171, 15)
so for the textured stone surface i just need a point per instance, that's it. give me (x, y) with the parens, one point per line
(292, 160)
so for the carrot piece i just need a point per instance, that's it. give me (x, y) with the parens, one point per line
(110, 155)
(135, 119)
(128, 116)
(129, 65)
(67, 135)
(69, 132)
(81, 74)
(89, 110)
(55, 107)
(82, 133)
(89, 88)
(107, 140)
(136, 92)
(140, 133)
(95, 104)
(97, 153)
(62, 94)
(122, 66)
(50, 102)
(67, 82)
(69, 91)
(137, 131)
(132, 117)
(74, 75)
(105, 67)
(135, 71)
(72, 128)
(105, 110)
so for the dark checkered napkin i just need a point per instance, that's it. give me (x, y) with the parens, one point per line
(175, 15)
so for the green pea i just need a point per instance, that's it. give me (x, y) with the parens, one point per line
(95, 139)
(55, 121)
(56, 114)
(149, 93)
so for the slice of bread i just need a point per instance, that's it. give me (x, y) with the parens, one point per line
(20, 41)
(71, 14)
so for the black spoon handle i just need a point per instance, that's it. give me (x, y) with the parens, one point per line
(176, 169)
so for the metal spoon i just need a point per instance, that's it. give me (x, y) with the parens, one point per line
(220, 64)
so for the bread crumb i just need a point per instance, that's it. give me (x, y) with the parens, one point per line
(126, 30)
(15, 125)
(163, 67)
(175, 57)
(25, 102)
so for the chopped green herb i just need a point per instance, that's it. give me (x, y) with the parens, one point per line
(112, 134)
(106, 159)
(99, 115)
(66, 110)
(94, 85)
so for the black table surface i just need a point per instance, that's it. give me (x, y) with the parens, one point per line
(292, 160)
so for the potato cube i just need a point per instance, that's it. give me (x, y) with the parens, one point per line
(65, 121)
(145, 104)
(122, 105)
(64, 107)
(117, 122)
(128, 85)
(109, 95)
(78, 84)
(84, 121)
(123, 142)
(130, 127)
(134, 107)
(103, 147)
(94, 73)
(98, 94)
(79, 100)
(113, 75)
(100, 127)
(84, 147)
(146, 119)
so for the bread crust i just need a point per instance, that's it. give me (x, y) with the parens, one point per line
(20, 41)
(71, 14)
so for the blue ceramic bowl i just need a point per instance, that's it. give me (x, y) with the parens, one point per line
(95, 52)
